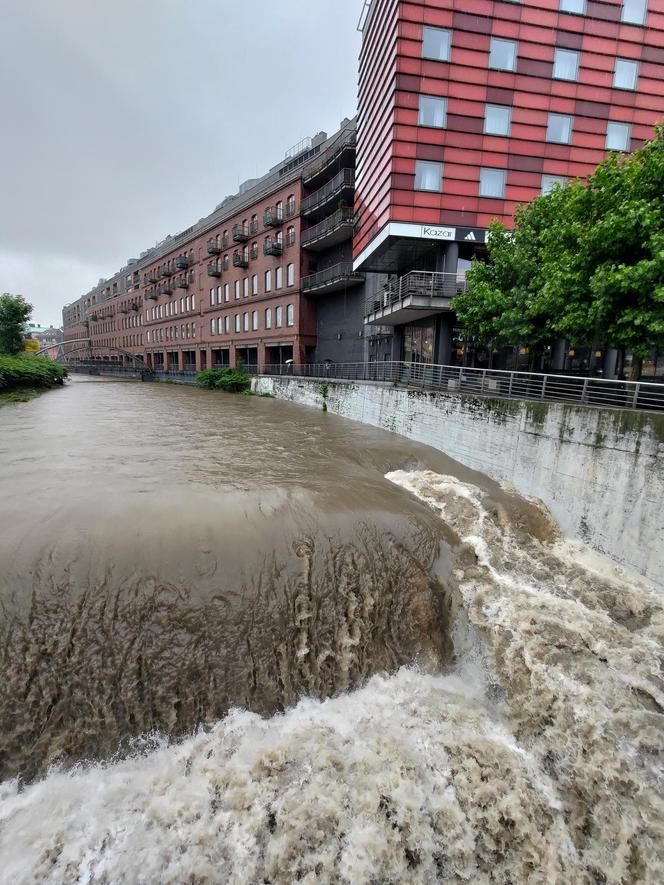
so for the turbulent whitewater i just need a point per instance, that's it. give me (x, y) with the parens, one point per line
(537, 756)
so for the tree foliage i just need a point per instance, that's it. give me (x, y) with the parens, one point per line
(14, 314)
(584, 262)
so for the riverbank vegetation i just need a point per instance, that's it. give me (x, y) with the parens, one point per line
(21, 374)
(230, 380)
(584, 262)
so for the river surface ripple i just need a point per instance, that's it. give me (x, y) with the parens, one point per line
(246, 641)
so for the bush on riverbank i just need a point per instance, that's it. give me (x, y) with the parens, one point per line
(29, 371)
(227, 379)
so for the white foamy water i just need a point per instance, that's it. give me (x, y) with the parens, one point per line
(538, 759)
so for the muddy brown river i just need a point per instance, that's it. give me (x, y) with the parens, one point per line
(247, 641)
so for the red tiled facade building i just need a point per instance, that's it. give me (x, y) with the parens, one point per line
(468, 108)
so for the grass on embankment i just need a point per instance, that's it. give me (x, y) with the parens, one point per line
(23, 377)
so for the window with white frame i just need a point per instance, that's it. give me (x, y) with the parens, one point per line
(268, 280)
(618, 136)
(503, 54)
(268, 317)
(278, 314)
(218, 294)
(227, 292)
(634, 11)
(492, 183)
(237, 290)
(238, 323)
(549, 182)
(566, 64)
(254, 320)
(428, 176)
(436, 43)
(559, 129)
(625, 74)
(290, 315)
(219, 325)
(227, 324)
(497, 119)
(212, 327)
(211, 297)
(290, 275)
(245, 321)
(432, 111)
(578, 7)
(245, 287)
(254, 284)
(279, 278)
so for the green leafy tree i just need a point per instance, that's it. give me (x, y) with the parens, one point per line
(14, 314)
(585, 263)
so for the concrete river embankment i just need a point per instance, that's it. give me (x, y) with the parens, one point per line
(242, 640)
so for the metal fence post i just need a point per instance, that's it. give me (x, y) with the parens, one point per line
(544, 380)
(635, 398)
(584, 392)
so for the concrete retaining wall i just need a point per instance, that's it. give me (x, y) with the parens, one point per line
(600, 472)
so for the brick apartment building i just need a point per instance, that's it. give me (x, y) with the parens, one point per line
(468, 108)
(266, 278)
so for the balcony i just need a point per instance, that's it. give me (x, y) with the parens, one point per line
(253, 227)
(166, 288)
(165, 272)
(213, 270)
(273, 247)
(124, 309)
(183, 262)
(135, 306)
(225, 264)
(182, 282)
(240, 234)
(341, 157)
(332, 279)
(225, 241)
(253, 254)
(94, 317)
(330, 232)
(341, 188)
(151, 295)
(152, 276)
(417, 294)
(273, 217)
(240, 259)
(213, 247)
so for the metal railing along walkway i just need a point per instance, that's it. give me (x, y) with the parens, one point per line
(640, 395)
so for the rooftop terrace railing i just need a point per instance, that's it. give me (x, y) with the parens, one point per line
(531, 386)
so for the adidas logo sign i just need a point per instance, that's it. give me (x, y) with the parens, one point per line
(470, 236)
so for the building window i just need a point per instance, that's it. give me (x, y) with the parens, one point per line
(268, 317)
(428, 176)
(634, 11)
(497, 119)
(254, 284)
(290, 275)
(211, 327)
(625, 74)
(550, 181)
(219, 326)
(237, 322)
(436, 43)
(559, 129)
(433, 111)
(227, 323)
(565, 64)
(618, 136)
(211, 297)
(503, 53)
(492, 183)
(245, 321)
(290, 236)
(245, 287)
(578, 7)
(290, 315)
(254, 320)
(218, 294)
(237, 290)
(290, 205)
(227, 292)
(279, 278)
(278, 321)
(268, 280)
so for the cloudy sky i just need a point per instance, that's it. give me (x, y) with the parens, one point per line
(125, 120)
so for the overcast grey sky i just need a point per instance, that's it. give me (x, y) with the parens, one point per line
(125, 120)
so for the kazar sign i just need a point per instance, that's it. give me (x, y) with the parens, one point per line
(451, 234)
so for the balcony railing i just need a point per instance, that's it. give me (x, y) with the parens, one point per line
(291, 209)
(124, 309)
(253, 227)
(273, 216)
(328, 161)
(414, 291)
(225, 241)
(334, 229)
(182, 283)
(240, 259)
(165, 272)
(151, 294)
(213, 270)
(343, 181)
(332, 278)
(183, 262)
(152, 276)
(273, 247)
(166, 288)
(225, 264)
(240, 233)
(134, 306)
(213, 247)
